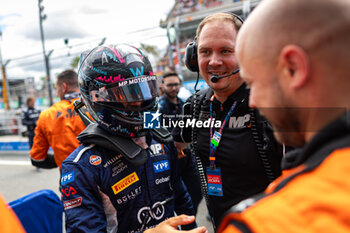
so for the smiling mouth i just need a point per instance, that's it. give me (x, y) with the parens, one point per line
(217, 73)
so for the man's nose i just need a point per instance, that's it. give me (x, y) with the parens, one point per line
(215, 59)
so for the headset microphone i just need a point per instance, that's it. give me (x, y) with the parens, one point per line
(216, 78)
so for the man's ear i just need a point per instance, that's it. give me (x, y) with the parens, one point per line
(295, 65)
(65, 87)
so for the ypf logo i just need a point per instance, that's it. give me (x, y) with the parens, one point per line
(161, 166)
(151, 120)
(67, 177)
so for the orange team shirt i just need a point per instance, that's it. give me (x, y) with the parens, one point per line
(314, 201)
(57, 127)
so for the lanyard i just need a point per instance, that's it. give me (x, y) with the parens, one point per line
(215, 139)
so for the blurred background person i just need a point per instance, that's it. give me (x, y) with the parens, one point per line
(29, 119)
(170, 105)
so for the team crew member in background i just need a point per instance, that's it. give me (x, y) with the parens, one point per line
(240, 156)
(59, 125)
(170, 106)
(123, 178)
(300, 80)
(29, 118)
(169, 103)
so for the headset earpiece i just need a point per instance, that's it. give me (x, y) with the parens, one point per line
(191, 56)
(236, 16)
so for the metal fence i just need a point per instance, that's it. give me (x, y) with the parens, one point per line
(10, 122)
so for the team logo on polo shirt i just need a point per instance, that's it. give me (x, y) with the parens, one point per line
(238, 122)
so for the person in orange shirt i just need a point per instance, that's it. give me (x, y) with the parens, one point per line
(59, 125)
(9, 220)
(295, 55)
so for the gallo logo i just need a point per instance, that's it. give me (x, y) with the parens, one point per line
(151, 120)
(95, 160)
(68, 191)
(125, 182)
(161, 166)
(67, 177)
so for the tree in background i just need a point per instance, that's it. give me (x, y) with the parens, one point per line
(75, 62)
(151, 49)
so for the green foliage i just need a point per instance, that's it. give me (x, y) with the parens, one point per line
(151, 49)
(75, 62)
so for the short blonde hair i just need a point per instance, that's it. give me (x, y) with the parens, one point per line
(237, 23)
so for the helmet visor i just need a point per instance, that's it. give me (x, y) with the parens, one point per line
(132, 94)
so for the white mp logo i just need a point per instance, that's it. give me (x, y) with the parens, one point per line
(239, 122)
(157, 149)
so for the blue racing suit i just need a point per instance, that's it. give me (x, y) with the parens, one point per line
(104, 192)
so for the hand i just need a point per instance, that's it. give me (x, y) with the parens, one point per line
(171, 224)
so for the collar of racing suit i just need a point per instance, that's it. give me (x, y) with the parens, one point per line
(71, 95)
(93, 134)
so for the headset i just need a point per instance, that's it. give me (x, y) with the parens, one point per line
(191, 57)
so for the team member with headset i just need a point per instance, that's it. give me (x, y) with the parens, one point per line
(239, 157)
